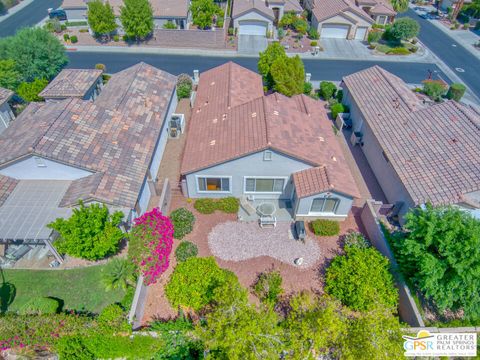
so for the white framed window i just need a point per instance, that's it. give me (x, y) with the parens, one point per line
(39, 161)
(207, 184)
(325, 205)
(267, 155)
(264, 185)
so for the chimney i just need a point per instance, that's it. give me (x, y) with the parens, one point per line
(195, 76)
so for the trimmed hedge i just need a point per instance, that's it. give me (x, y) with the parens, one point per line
(398, 51)
(183, 221)
(337, 109)
(40, 306)
(323, 227)
(456, 91)
(229, 205)
(186, 250)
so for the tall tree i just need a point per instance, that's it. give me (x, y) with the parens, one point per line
(441, 253)
(405, 28)
(37, 53)
(273, 52)
(10, 77)
(399, 5)
(203, 12)
(137, 18)
(288, 75)
(101, 17)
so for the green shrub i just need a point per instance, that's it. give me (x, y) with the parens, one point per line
(116, 38)
(361, 280)
(76, 23)
(356, 239)
(104, 346)
(40, 306)
(228, 205)
(382, 48)
(456, 91)
(338, 108)
(374, 36)
(378, 26)
(29, 91)
(185, 250)
(313, 33)
(205, 205)
(268, 287)
(90, 233)
(73, 347)
(74, 39)
(398, 51)
(327, 89)
(405, 28)
(113, 319)
(66, 37)
(183, 221)
(307, 88)
(220, 23)
(184, 91)
(434, 89)
(313, 43)
(83, 30)
(323, 227)
(231, 31)
(300, 25)
(339, 95)
(169, 25)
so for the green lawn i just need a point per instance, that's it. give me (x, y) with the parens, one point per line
(80, 289)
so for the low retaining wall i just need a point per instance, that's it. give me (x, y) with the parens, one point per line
(138, 304)
(407, 308)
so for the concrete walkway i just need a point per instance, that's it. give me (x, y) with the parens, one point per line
(466, 38)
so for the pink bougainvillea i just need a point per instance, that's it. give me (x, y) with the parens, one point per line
(150, 245)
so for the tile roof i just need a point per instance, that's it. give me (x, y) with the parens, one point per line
(241, 7)
(293, 5)
(382, 8)
(71, 83)
(433, 148)
(224, 127)
(161, 8)
(7, 185)
(325, 9)
(113, 137)
(5, 95)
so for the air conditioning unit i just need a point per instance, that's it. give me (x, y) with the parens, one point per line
(356, 138)
(176, 125)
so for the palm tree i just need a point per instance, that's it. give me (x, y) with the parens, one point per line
(119, 273)
(399, 5)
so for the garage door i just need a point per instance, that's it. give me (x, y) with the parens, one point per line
(360, 34)
(336, 31)
(253, 28)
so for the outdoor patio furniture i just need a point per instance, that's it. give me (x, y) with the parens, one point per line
(268, 221)
(266, 211)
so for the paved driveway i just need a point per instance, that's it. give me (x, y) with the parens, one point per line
(343, 48)
(251, 44)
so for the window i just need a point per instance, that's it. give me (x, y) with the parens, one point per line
(214, 184)
(264, 185)
(39, 161)
(267, 156)
(327, 205)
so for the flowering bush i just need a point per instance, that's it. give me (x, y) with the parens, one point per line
(150, 244)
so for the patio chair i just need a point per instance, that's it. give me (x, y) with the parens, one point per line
(268, 221)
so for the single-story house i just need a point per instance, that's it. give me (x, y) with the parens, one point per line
(340, 19)
(254, 147)
(6, 114)
(84, 84)
(176, 11)
(420, 153)
(252, 17)
(103, 151)
(379, 10)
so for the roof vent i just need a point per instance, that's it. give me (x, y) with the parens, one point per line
(321, 138)
(254, 114)
(198, 110)
(224, 116)
(212, 83)
(275, 112)
(206, 103)
(334, 158)
(215, 120)
(212, 142)
(453, 140)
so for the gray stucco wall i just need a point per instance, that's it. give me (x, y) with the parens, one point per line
(76, 14)
(304, 205)
(6, 115)
(29, 169)
(249, 166)
(388, 179)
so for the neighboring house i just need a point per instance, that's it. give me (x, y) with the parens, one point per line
(176, 11)
(103, 151)
(6, 114)
(84, 84)
(345, 19)
(241, 143)
(420, 153)
(252, 17)
(445, 4)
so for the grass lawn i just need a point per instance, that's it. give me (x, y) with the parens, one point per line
(80, 289)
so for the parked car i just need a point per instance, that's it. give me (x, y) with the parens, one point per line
(59, 14)
(300, 230)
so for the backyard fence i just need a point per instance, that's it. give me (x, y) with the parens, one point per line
(138, 304)
(407, 308)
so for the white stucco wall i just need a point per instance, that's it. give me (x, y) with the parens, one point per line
(350, 19)
(76, 14)
(29, 169)
(304, 205)
(144, 198)
(253, 15)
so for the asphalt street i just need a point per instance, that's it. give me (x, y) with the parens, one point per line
(28, 16)
(176, 64)
(450, 52)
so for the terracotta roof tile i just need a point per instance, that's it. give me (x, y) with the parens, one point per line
(382, 8)
(296, 126)
(5, 95)
(71, 83)
(242, 6)
(325, 9)
(433, 148)
(101, 136)
(7, 185)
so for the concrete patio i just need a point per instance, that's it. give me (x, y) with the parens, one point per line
(283, 210)
(234, 241)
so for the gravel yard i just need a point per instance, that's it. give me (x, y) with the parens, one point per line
(237, 241)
